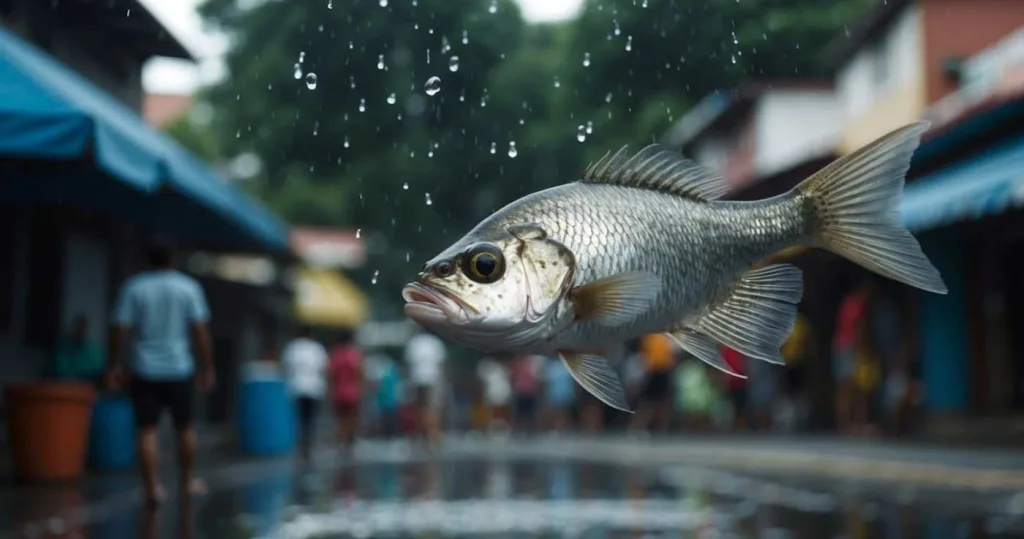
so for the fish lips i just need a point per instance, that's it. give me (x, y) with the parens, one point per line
(430, 305)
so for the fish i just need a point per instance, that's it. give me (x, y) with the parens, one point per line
(644, 243)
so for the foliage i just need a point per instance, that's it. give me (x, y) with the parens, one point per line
(417, 174)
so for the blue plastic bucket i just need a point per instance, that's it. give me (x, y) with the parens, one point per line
(112, 433)
(266, 417)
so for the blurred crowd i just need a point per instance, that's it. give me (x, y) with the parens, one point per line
(417, 392)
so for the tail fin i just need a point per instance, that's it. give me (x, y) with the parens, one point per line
(855, 203)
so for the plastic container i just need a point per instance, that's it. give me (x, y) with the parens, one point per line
(112, 434)
(48, 427)
(267, 422)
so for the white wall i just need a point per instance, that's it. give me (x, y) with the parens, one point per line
(793, 125)
(86, 283)
(889, 64)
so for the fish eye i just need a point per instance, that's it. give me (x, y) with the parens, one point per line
(484, 264)
(444, 269)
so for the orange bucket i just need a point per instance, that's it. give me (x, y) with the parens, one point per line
(48, 429)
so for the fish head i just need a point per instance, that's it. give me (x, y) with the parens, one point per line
(494, 291)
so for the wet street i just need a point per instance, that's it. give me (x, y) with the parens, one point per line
(389, 490)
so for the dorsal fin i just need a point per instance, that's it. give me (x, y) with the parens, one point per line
(659, 169)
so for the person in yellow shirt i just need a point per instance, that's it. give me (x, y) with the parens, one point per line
(656, 397)
(795, 351)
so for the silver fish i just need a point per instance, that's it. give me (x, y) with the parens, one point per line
(643, 244)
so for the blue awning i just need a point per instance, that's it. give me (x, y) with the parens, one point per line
(987, 183)
(47, 111)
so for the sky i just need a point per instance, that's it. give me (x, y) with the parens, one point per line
(163, 75)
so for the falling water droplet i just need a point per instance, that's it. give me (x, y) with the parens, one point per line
(590, 127)
(359, 233)
(586, 59)
(383, 3)
(433, 85)
(617, 29)
(494, 148)
(316, 128)
(629, 43)
(405, 186)
(376, 273)
(453, 64)
(311, 81)
(297, 71)
(362, 104)
(608, 98)
(644, 4)
(426, 198)
(346, 141)
(391, 98)
(465, 37)
(581, 133)
(558, 84)
(302, 56)
(380, 62)
(330, 4)
(512, 151)
(494, 7)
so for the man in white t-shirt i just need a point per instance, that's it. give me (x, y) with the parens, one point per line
(305, 366)
(425, 355)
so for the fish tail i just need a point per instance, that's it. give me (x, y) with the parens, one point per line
(852, 209)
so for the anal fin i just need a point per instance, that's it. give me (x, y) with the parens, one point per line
(759, 315)
(703, 348)
(597, 377)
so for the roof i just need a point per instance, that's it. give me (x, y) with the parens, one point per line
(720, 108)
(329, 247)
(875, 23)
(122, 21)
(163, 109)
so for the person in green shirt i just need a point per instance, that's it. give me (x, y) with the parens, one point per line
(77, 357)
(695, 395)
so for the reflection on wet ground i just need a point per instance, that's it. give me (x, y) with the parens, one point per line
(551, 498)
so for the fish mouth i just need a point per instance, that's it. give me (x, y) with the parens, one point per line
(433, 305)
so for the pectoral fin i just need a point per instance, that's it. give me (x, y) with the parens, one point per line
(616, 300)
(596, 376)
(703, 348)
(757, 318)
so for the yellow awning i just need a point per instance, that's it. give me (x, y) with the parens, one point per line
(327, 298)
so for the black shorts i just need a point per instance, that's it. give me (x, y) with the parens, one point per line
(658, 387)
(526, 405)
(151, 397)
(738, 398)
(308, 407)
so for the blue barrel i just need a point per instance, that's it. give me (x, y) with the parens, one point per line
(112, 434)
(266, 415)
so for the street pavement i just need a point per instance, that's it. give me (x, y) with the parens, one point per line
(611, 483)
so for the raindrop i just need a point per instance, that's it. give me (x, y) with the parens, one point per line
(465, 37)
(617, 29)
(522, 121)
(734, 58)
(494, 7)
(330, 4)
(311, 81)
(380, 62)
(383, 3)
(644, 4)
(590, 127)
(302, 56)
(316, 128)
(346, 141)
(453, 64)
(494, 148)
(558, 83)
(629, 43)
(362, 104)
(586, 59)
(297, 71)
(512, 151)
(433, 85)
(359, 233)
(376, 273)
(445, 46)
(238, 133)
(608, 98)
(426, 198)
(391, 98)
(405, 186)
(581, 133)
(350, 45)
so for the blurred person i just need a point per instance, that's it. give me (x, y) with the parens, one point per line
(77, 356)
(736, 387)
(695, 394)
(655, 407)
(497, 391)
(346, 373)
(387, 395)
(763, 389)
(161, 312)
(305, 365)
(559, 395)
(848, 335)
(425, 356)
(525, 374)
(794, 352)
